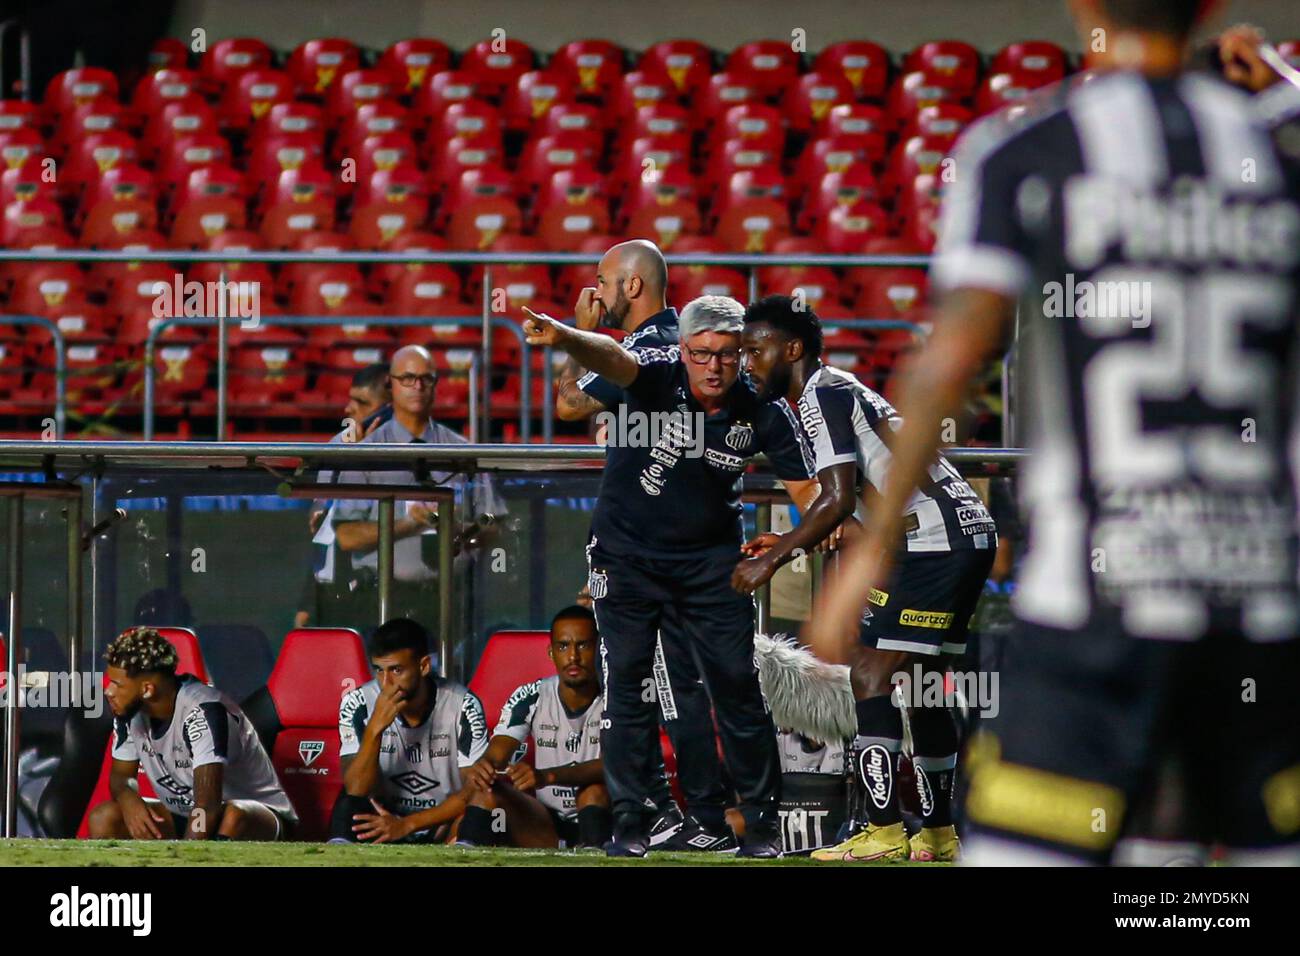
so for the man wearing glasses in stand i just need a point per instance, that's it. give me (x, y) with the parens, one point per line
(415, 549)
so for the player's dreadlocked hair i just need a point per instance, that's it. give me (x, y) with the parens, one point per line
(142, 650)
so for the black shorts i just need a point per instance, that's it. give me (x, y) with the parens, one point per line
(1089, 722)
(287, 824)
(927, 606)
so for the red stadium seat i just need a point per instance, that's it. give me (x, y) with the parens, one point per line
(25, 181)
(562, 227)
(648, 157)
(511, 658)
(383, 276)
(638, 90)
(735, 156)
(569, 185)
(302, 200)
(473, 183)
(957, 62)
(263, 374)
(297, 718)
(532, 95)
(913, 157)
(477, 224)
(190, 661)
(328, 289)
(357, 88)
(168, 53)
(497, 63)
(543, 157)
(251, 96)
(863, 120)
(938, 119)
(226, 62)
(120, 201)
(771, 65)
(570, 118)
(592, 66)
(1031, 56)
(71, 88)
(187, 153)
(388, 203)
(473, 119)
(44, 288)
(744, 185)
(661, 119)
(440, 90)
(830, 154)
(757, 124)
(846, 229)
(19, 114)
(1003, 89)
(837, 189)
(918, 88)
(456, 156)
(865, 65)
(234, 240)
(818, 285)
(27, 217)
(156, 90)
(317, 64)
(95, 154)
(277, 153)
(719, 93)
(370, 119)
(421, 283)
(753, 226)
(808, 101)
(665, 224)
(98, 116)
(412, 61)
(687, 63)
(179, 117)
(291, 118)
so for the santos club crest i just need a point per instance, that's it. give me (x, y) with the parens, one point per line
(740, 437)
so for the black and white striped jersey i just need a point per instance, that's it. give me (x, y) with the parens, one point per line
(1151, 230)
(846, 421)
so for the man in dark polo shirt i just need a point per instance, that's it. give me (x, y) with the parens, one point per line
(630, 293)
(667, 533)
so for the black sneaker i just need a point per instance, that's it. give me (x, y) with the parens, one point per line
(665, 824)
(629, 839)
(761, 843)
(695, 836)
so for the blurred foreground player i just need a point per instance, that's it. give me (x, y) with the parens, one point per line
(667, 533)
(919, 617)
(561, 714)
(200, 753)
(1157, 607)
(405, 738)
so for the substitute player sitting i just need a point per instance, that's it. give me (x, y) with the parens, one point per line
(200, 753)
(561, 714)
(404, 739)
(920, 617)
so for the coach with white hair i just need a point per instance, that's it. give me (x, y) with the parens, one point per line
(666, 534)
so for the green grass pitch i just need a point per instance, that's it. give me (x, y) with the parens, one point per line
(175, 853)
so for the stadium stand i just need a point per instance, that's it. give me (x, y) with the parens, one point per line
(420, 147)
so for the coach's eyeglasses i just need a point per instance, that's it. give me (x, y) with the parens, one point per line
(410, 380)
(705, 356)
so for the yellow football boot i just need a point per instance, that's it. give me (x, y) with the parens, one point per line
(936, 845)
(870, 845)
